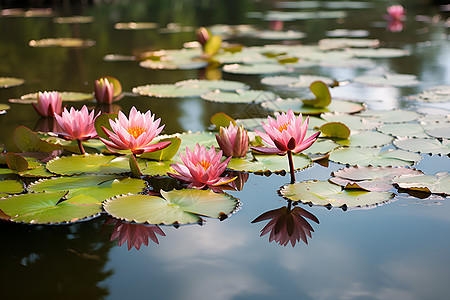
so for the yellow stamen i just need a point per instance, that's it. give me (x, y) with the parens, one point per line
(283, 127)
(205, 164)
(136, 131)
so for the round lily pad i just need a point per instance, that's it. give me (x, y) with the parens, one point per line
(62, 42)
(280, 35)
(322, 147)
(437, 94)
(180, 64)
(379, 52)
(366, 139)
(389, 116)
(8, 187)
(169, 91)
(174, 207)
(6, 82)
(374, 157)
(302, 81)
(432, 146)
(404, 130)
(223, 85)
(335, 130)
(74, 20)
(328, 194)
(397, 80)
(239, 96)
(436, 184)
(340, 43)
(135, 26)
(271, 163)
(254, 69)
(298, 107)
(353, 122)
(65, 96)
(44, 208)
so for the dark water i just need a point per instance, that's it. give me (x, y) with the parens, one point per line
(399, 250)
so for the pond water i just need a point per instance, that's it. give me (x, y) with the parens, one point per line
(398, 250)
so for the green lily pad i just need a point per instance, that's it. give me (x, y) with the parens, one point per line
(328, 194)
(159, 168)
(436, 184)
(239, 96)
(390, 116)
(223, 85)
(165, 154)
(43, 208)
(89, 189)
(374, 157)
(65, 96)
(268, 163)
(366, 139)
(135, 26)
(404, 130)
(16, 162)
(322, 93)
(28, 141)
(353, 122)
(256, 69)
(297, 106)
(74, 20)
(37, 172)
(432, 146)
(222, 120)
(374, 179)
(62, 42)
(302, 81)
(340, 43)
(8, 187)
(397, 80)
(174, 207)
(173, 65)
(169, 90)
(335, 130)
(322, 147)
(437, 94)
(379, 52)
(189, 139)
(439, 130)
(6, 82)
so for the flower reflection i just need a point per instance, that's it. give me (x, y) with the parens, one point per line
(134, 234)
(287, 225)
(395, 25)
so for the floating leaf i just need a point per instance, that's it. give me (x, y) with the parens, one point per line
(89, 189)
(439, 130)
(280, 35)
(397, 80)
(164, 154)
(437, 94)
(28, 141)
(271, 163)
(366, 139)
(43, 208)
(335, 130)
(424, 145)
(375, 179)
(189, 139)
(222, 120)
(322, 147)
(339, 43)
(74, 20)
(254, 68)
(438, 184)
(169, 90)
(302, 81)
(328, 194)
(103, 120)
(6, 82)
(223, 85)
(390, 116)
(66, 97)
(176, 207)
(239, 96)
(10, 187)
(374, 157)
(404, 130)
(16, 162)
(158, 168)
(62, 42)
(297, 106)
(379, 52)
(135, 26)
(353, 122)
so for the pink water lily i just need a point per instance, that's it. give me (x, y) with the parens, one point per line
(77, 124)
(396, 12)
(104, 90)
(202, 168)
(233, 140)
(285, 133)
(134, 133)
(48, 104)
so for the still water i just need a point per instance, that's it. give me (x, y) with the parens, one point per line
(399, 250)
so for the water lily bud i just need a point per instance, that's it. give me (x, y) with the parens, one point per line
(202, 35)
(48, 104)
(233, 141)
(104, 90)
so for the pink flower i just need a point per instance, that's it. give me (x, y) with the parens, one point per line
(233, 141)
(396, 12)
(77, 124)
(48, 104)
(286, 133)
(287, 225)
(202, 168)
(135, 133)
(104, 90)
(134, 234)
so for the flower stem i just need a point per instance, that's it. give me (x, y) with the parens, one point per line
(134, 166)
(291, 166)
(80, 145)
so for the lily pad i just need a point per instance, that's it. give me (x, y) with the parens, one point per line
(16, 162)
(438, 184)
(268, 163)
(169, 90)
(397, 80)
(189, 139)
(135, 26)
(28, 141)
(90, 189)
(280, 35)
(44, 208)
(353, 122)
(74, 20)
(404, 130)
(375, 179)
(332, 195)
(6, 82)
(439, 130)
(302, 81)
(379, 52)
(222, 120)
(164, 154)
(374, 157)
(256, 69)
(62, 42)
(239, 96)
(366, 139)
(159, 168)
(335, 130)
(223, 85)
(180, 64)
(340, 43)
(65, 96)
(8, 187)
(432, 146)
(322, 147)
(390, 116)
(174, 207)
(297, 106)
(437, 94)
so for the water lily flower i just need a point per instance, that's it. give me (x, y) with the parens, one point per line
(202, 35)
(202, 168)
(104, 90)
(48, 104)
(77, 125)
(286, 134)
(396, 12)
(233, 140)
(134, 133)
(287, 225)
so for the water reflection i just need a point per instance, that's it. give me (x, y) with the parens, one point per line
(395, 25)
(134, 234)
(287, 224)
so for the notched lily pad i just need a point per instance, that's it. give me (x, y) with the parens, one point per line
(374, 157)
(432, 146)
(268, 163)
(375, 179)
(331, 195)
(436, 184)
(6, 82)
